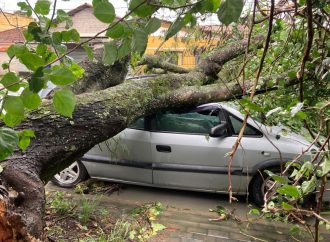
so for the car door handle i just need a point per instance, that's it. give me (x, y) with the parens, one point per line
(163, 148)
(265, 153)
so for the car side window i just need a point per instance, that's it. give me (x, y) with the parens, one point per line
(138, 124)
(191, 122)
(237, 125)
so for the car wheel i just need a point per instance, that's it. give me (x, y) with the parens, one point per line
(70, 176)
(262, 185)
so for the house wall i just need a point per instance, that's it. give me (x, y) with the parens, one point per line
(86, 23)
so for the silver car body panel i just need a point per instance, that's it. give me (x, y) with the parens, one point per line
(191, 161)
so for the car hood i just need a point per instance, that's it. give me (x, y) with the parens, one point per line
(283, 132)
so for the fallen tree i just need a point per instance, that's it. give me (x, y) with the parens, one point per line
(98, 116)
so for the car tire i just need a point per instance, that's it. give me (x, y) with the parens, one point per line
(259, 185)
(70, 176)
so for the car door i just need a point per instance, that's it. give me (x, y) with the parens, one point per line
(184, 154)
(125, 157)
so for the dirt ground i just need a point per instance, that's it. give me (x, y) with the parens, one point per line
(97, 211)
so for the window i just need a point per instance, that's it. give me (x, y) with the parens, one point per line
(237, 125)
(138, 124)
(191, 122)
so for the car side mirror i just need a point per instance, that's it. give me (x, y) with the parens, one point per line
(219, 130)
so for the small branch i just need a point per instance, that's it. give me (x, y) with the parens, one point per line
(155, 62)
(53, 15)
(310, 34)
(27, 1)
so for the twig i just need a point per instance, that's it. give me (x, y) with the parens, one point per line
(310, 34)
(53, 15)
(27, 1)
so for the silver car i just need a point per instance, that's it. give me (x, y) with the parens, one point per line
(188, 149)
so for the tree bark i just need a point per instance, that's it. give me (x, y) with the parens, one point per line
(98, 116)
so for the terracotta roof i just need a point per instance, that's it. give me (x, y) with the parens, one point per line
(79, 8)
(12, 36)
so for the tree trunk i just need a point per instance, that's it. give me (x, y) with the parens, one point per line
(98, 116)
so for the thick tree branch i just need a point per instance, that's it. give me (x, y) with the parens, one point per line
(154, 62)
(212, 64)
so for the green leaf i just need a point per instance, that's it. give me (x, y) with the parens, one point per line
(11, 51)
(64, 102)
(63, 16)
(31, 100)
(286, 206)
(14, 105)
(277, 178)
(61, 76)
(124, 48)
(77, 70)
(105, 12)
(31, 61)
(325, 166)
(289, 190)
(9, 80)
(25, 8)
(153, 25)
(140, 40)
(110, 53)
(117, 31)
(72, 34)
(12, 120)
(175, 27)
(309, 186)
(37, 82)
(230, 11)
(89, 51)
(42, 7)
(8, 142)
(5, 65)
(25, 138)
(41, 49)
(57, 38)
(141, 9)
(206, 6)
(246, 102)
(157, 227)
(254, 211)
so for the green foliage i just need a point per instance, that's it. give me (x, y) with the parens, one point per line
(141, 8)
(139, 41)
(25, 138)
(31, 100)
(117, 31)
(64, 102)
(10, 81)
(110, 53)
(42, 7)
(104, 11)
(230, 11)
(60, 75)
(153, 25)
(60, 204)
(8, 142)
(86, 209)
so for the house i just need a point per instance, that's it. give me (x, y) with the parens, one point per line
(11, 31)
(13, 20)
(181, 49)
